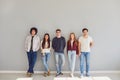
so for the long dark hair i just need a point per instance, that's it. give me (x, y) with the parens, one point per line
(43, 43)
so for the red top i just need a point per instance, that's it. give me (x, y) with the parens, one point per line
(74, 47)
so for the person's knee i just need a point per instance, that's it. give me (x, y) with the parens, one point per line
(44, 63)
(63, 63)
(87, 65)
(81, 65)
(57, 64)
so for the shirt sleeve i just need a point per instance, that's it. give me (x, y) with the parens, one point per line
(41, 45)
(50, 46)
(64, 42)
(91, 40)
(38, 47)
(26, 43)
(53, 43)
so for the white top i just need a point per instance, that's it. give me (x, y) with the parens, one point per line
(85, 43)
(72, 43)
(46, 49)
(36, 43)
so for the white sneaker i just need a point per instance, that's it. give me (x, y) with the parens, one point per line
(71, 75)
(81, 76)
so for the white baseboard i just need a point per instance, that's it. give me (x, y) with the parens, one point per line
(5, 71)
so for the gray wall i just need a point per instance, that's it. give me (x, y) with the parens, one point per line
(101, 17)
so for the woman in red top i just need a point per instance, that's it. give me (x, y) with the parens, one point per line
(72, 50)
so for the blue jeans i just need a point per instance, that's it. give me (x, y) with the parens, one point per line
(60, 61)
(32, 56)
(45, 59)
(72, 60)
(85, 56)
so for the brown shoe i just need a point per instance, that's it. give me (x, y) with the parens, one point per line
(29, 74)
(48, 73)
(45, 74)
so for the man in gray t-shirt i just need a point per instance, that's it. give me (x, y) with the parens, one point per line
(85, 43)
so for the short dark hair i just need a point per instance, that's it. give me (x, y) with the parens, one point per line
(58, 30)
(33, 28)
(84, 29)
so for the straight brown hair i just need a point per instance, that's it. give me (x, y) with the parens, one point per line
(75, 40)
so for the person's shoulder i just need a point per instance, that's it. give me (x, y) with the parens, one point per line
(28, 36)
(62, 37)
(54, 38)
(36, 36)
(90, 37)
(81, 37)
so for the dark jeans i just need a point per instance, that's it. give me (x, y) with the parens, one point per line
(32, 56)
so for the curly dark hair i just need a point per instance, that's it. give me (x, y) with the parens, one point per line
(84, 29)
(33, 28)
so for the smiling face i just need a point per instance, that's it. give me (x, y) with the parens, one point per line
(85, 32)
(33, 32)
(58, 33)
(46, 37)
(72, 36)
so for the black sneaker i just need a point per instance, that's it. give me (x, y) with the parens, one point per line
(88, 75)
(61, 73)
(57, 74)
